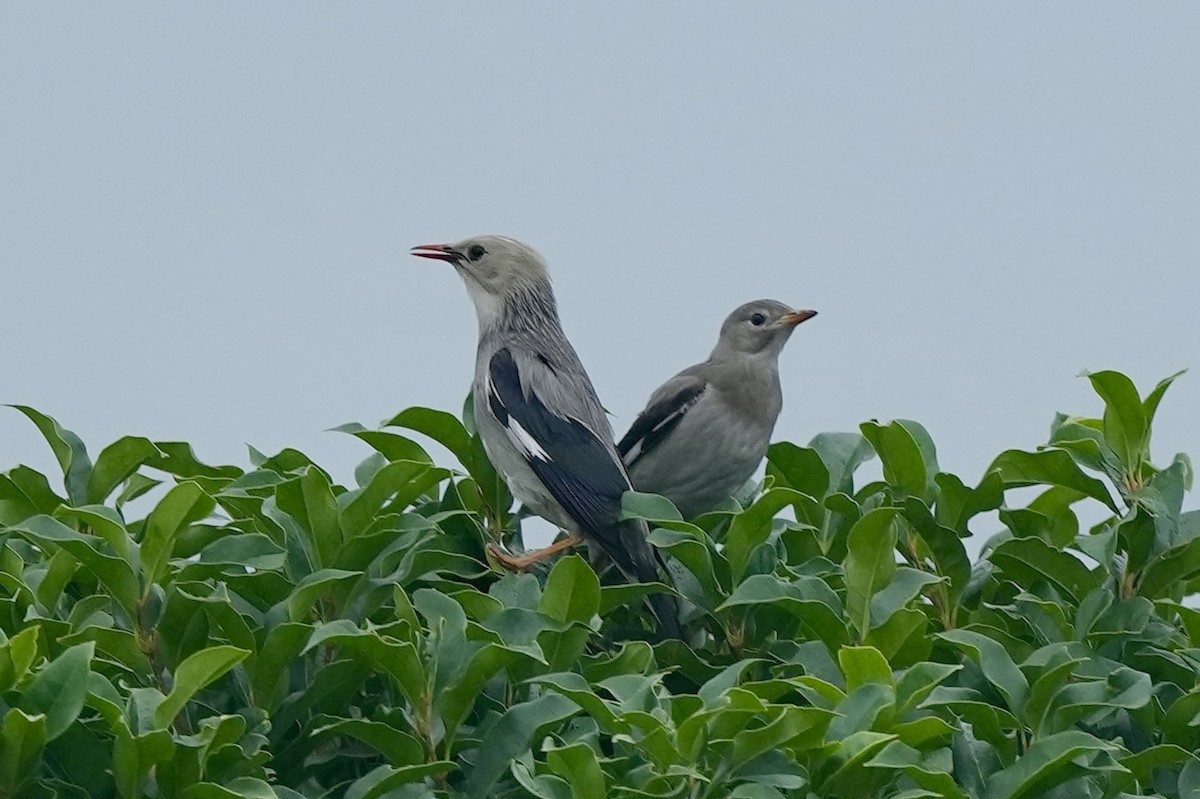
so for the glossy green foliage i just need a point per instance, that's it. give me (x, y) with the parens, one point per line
(179, 630)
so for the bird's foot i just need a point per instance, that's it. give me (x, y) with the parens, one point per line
(522, 562)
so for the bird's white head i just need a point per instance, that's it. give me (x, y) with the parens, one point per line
(759, 327)
(497, 270)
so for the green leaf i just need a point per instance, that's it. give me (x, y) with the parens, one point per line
(24, 493)
(1141, 765)
(255, 550)
(113, 572)
(907, 452)
(511, 735)
(397, 747)
(384, 780)
(650, 507)
(995, 662)
(1167, 571)
(572, 591)
(392, 446)
(239, 788)
(1026, 561)
(842, 454)
(17, 655)
(309, 500)
(693, 549)
(784, 725)
(116, 463)
(753, 526)
(269, 666)
(1045, 764)
(68, 450)
(1125, 427)
(1084, 439)
(57, 690)
(397, 659)
(576, 688)
(800, 468)
(447, 635)
(870, 563)
(1049, 467)
(456, 701)
(1054, 504)
(862, 665)
(183, 504)
(195, 673)
(1048, 683)
(442, 427)
(106, 523)
(918, 681)
(137, 485)
(945, 547)
(312, 588)
(59, 569)
(179, 460)
(1122, 688)
(853, 751)
(578, 765)
(1162, 494)
(809, 599)
(22, 739)
(924, 771)
(400, 481)
(903, 638)
(1150, 404)
(905, 586)
(715, 689)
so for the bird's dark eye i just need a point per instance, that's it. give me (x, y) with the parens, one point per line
(757, 319)
(475, 252)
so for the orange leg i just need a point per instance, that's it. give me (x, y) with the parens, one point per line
(523, 562)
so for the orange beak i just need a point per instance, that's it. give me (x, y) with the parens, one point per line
(795, 317)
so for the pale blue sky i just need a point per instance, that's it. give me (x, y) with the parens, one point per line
(205, 208)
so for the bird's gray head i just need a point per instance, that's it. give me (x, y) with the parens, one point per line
(759, 327)
(498, 272)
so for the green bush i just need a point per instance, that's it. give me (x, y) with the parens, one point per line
(270, 633)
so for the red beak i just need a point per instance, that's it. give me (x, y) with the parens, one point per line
(796, 317)
(438, 252)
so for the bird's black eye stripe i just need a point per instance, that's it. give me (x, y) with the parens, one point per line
(475, 252)
(757, 319)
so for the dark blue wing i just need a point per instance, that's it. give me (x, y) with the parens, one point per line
(576, 467)
(653, 425)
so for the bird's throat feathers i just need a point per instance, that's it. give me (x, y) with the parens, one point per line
(525, 304)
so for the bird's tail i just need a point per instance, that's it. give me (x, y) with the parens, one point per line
(639, 561)
(666, 610)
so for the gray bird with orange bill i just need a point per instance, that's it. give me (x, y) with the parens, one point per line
(704, 431)
(538, 415)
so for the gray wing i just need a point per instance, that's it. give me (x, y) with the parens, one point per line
(666, 409)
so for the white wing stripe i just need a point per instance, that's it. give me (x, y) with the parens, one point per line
(525, 442)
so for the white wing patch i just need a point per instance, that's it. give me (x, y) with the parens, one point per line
(677, 414)
(670, 418)
(525, 442)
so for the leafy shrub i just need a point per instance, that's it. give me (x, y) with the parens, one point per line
(270, 633)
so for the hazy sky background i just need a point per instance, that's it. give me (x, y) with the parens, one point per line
(205, 209)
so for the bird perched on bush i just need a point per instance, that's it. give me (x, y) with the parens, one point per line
(538, 415)
(704, 431)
